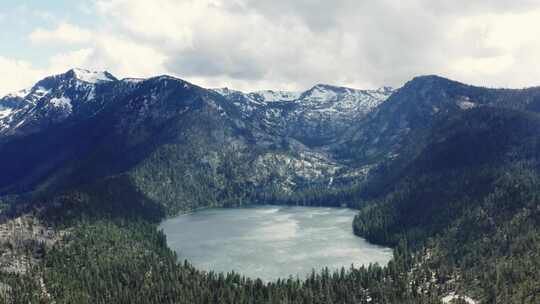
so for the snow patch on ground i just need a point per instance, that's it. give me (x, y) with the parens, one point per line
(41, 91)
(452, 296)
(5, 112)
(62, 102)
(465, 103)
(20, 123)
(318, 93)
(273, 96)
(91, 95)
(133, 80)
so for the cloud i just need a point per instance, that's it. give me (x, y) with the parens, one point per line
(503, 47)
(126, 57)
(64, 33)
(100, 50)
(19, 74)
(93, 50)
(213, 42)
(256, 44)
(281, 43)
(65, 61)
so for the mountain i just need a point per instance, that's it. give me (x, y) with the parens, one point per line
(315, 117)
(445, 172)
(457, 184)
(417, 107)
(52, 100)
(466, 205)
(89, 127)
(480, 146)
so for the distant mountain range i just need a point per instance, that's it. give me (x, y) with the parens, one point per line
(81, 117)
(170, 136)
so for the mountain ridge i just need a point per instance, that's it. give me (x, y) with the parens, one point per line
(446, 172)
(347, 131)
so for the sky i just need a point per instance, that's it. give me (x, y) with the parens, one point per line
(274, 44)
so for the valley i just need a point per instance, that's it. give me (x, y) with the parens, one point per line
(444, 173)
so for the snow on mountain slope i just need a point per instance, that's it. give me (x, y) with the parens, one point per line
(273, 96)
(51, 100)
(62, 102)
(5, 112)
(133, 80)
(92, 76)
(318, 95)
(343, 99)
(315, 116)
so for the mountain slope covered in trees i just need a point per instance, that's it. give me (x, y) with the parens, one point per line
(468, 205)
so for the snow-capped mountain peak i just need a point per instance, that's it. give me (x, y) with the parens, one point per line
(52, 100)
(320, 92)
(92, 76)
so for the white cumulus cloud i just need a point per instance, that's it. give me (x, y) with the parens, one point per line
(17, 75)
(64, 33)
(257, 44)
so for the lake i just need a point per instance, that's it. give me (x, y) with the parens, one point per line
(271, 242)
